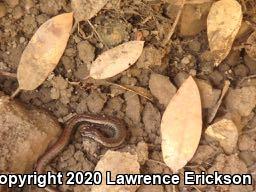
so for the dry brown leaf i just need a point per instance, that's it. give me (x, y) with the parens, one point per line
(44, 50)
(181, 126)
(116, 60)
(223, 23)
(86, 9)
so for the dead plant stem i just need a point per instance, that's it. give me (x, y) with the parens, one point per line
(170, 33)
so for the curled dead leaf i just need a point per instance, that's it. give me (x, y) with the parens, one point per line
(116, 60)
(44, 51)
(223, 23)
(181, 126)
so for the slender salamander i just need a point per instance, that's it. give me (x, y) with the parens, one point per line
(84, 122)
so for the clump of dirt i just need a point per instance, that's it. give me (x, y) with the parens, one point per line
(61, 90)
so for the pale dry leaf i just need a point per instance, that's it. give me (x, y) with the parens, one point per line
(223, 23)
(44, 51)
(121, 163)
(225, 132)
(86, 9)
(116, 60)
(181, 126)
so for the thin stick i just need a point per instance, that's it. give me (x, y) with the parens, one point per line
(16, 93)
(8, 74)
(140, 91)
(98, 35)
(169, 35)
(246, 78)
(213, 111)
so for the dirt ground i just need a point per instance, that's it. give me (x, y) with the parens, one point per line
(187, 54)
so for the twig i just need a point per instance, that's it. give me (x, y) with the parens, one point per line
(98, 35)
(245, 78)
(213, 111)
(137, 90)
(16, 92)
(8, 74)
(169, 35)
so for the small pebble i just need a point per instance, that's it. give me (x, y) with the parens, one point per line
(22, 39)
(17, 12)
(192, 72)
(185, 60)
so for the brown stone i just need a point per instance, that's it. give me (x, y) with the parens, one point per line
(24, 135)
